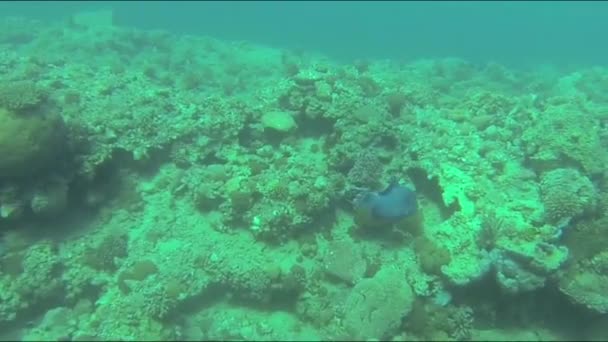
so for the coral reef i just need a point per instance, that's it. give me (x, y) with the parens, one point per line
(366, 171)
(344, 261)
(568, 135)
(367, 314)
(567, 194)
(159, 186)
(20, 96)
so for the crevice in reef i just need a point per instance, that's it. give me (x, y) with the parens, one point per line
(246, 136)
(315, 127)
(429, 188)
(547, 306)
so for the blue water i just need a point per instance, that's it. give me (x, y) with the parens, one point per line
(518, 33)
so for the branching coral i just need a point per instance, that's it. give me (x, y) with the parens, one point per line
(101, 256)
(366, 171)
(283, 200)
(20, 96)
(460, 323)
(31, 279)
(159, 303)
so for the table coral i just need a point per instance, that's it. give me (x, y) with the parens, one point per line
(566, 134)
(525, 265)
(587, 288)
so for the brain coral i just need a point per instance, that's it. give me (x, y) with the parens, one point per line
(29, 142)
(566, 194)
(376, 306)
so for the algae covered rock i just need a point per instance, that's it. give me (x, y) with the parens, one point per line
(29, 142)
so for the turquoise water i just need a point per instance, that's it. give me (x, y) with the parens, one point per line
(512, 32)
(303, 171)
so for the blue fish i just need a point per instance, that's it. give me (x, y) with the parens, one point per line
(389, 206)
